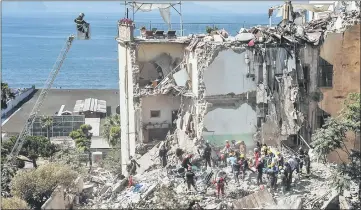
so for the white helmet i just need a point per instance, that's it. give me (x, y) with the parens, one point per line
(81, 14)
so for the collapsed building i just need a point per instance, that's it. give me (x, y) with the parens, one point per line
(217, 87)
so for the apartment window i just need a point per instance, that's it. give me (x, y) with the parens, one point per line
(154, 113)
(325, 73)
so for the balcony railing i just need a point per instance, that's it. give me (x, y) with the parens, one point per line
(193, 28)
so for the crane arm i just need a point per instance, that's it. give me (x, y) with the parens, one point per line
(39, 102)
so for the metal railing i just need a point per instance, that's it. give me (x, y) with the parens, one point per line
(193, 28)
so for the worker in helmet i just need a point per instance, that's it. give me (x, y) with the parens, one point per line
(272, 178)
(259, 168)
(189, 178)
(81, 25)
(187, 161)
(280, 159)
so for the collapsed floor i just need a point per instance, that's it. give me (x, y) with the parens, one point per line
(158, 188)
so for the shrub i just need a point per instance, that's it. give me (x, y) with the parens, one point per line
(36, 186)
(13, 203)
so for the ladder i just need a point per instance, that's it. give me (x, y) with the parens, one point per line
(39, 102)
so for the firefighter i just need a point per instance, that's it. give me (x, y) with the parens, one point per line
(288, 174)
(187, 161)
(81, 25)
(272, 176)
(236, 170)
(280, 159)
(307, 163)
(163, 155)
(220, 182)
(259, 168)
(189, 177)
(207, 154)
(301, 156)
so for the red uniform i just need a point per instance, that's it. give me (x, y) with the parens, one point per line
(256, 156)
(220, 185)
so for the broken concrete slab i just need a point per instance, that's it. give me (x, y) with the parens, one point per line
(218, 38)
(181, 77)
(120, 185)
(256, 200)
(244, 37)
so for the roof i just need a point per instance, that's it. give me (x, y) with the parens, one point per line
(54, 100)
(90, 105)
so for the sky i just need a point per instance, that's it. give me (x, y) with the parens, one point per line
(200, 7)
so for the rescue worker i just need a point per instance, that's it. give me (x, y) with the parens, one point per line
(242, 148)
(257, 155)
(301, 156)
(283, 178)
(133, 166)
(163, 155)
(227, 147)
(245, 166)
(307, 163)
(220, 182)
(293, 163)
(271, 174)
(288, 174)
(81, 25)
(236, 170)
(259, 168)
(189, 176)
(207, 154)
(232, 160)
(233, 144)
(259, 146)
(187, 161)
(280, 159)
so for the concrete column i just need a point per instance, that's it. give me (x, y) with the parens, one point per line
(131, 111)
(122, 51)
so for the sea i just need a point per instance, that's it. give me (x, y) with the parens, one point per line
(31, 45)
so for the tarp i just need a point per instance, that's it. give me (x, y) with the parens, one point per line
(164, 8)
(308, 7)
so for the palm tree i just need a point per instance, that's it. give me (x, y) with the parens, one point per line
(47, 122)
(6, 94)
(111, 130)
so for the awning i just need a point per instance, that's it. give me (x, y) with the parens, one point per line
(164, 8)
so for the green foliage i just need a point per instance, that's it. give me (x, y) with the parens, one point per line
(82, 138)
(6, 94)
(211, 29)
(351, 113)
(112, 160)
(111, 130)
(328, 138)
(13, 203)
(36, 186)
(33, 148)
(331, 137)
(7, 173)
(47, 122)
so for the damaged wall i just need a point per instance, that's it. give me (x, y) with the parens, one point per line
(227, 74)
(150, 51)
(343, 52)
(227, 124)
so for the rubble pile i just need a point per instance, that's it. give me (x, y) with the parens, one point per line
(163, 188)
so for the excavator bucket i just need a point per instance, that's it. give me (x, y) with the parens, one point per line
(84, 32)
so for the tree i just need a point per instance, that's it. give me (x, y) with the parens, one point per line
(111, 130)
(332, 136)
(13, 203)
(6, 94)
(33, 148)
(82, 138)
(36, 186)
(47, 122)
